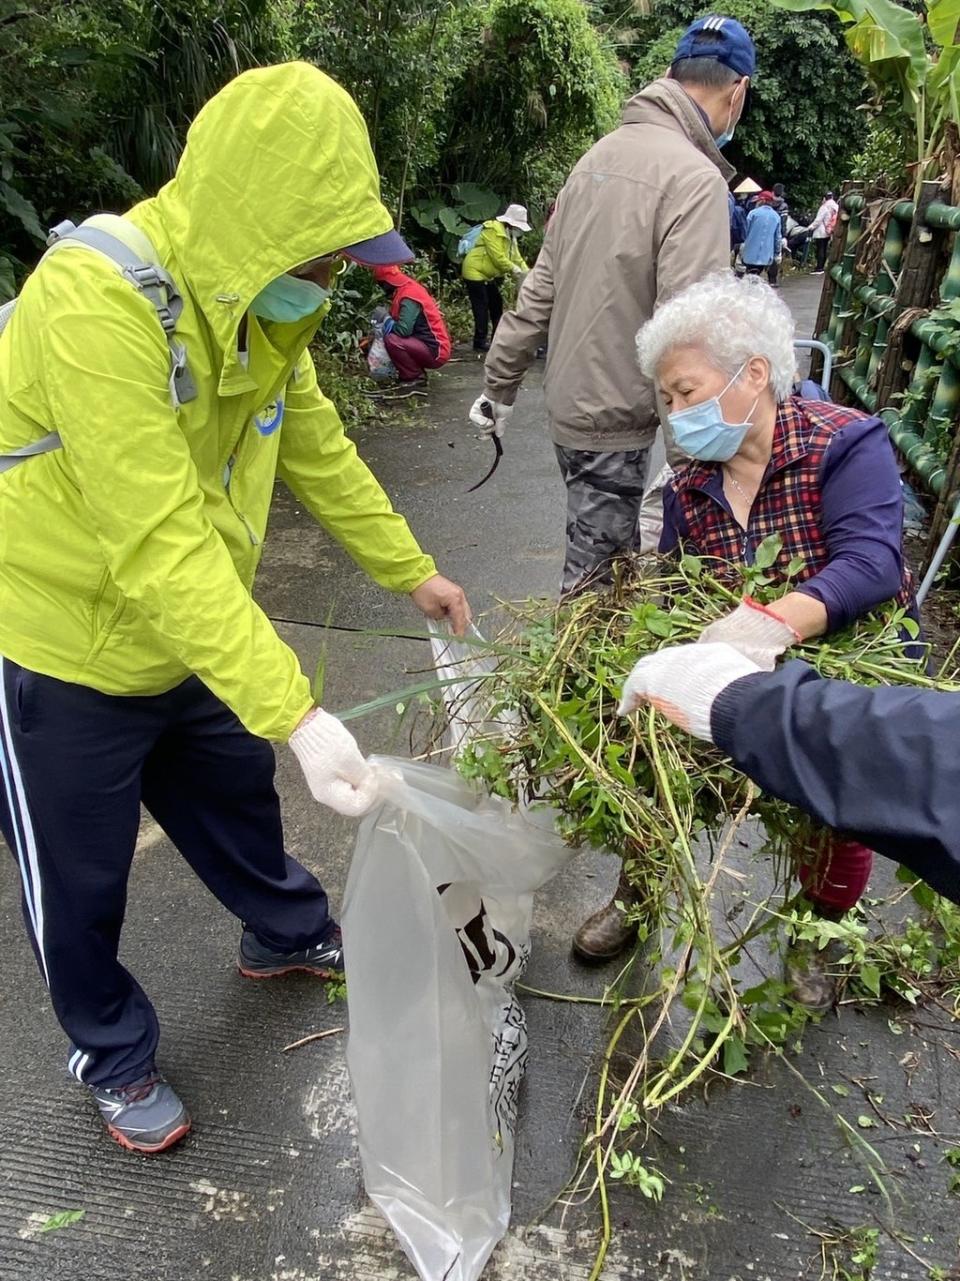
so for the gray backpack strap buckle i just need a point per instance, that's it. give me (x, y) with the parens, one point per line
(157, 285)
(182, 386)
(60, 231)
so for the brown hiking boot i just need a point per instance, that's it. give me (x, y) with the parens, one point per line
(607, 933)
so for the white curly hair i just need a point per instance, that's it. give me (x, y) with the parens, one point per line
(730, 320)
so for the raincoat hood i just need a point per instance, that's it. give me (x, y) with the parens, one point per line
(277, 170)
(666, 97)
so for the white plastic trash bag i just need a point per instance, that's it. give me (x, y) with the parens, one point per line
(462, 665)
(436, 925)
(378, 358)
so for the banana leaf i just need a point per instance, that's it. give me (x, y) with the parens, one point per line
(886, 38)
(943, 17)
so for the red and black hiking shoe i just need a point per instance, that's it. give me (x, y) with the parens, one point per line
(257, 961)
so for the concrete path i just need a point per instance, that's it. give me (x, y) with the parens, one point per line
(267, 1188)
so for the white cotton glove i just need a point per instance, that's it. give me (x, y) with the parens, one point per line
(332, 764)
(489, 415)
(683, 683)
(757, 632)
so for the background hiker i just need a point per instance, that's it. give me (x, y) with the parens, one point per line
(821, 229)
(762, 243)
(494, 254)
(415, 335)
(738, 222)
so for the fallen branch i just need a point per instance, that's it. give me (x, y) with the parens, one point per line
(314, 1036)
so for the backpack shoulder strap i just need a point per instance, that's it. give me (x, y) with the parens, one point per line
(6, 311)
(135, 258)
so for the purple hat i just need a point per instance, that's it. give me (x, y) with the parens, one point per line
(724, 40)
(380, 251)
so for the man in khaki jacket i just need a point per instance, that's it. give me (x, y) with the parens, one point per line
(643, 215)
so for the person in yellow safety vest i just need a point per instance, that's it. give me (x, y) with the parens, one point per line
(495, 254)
(136, 665)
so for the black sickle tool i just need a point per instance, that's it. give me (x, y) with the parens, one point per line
(487, 411)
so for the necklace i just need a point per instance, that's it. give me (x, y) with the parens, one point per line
(738, 487)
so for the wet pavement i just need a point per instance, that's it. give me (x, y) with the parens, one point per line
(267, 1188)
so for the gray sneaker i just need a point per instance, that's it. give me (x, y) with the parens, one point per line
(257, 961)
(144, 1116)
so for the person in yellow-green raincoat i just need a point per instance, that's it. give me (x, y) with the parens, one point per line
(136, 666)
(494, 254)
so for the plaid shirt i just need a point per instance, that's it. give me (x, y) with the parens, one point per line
(788, 502)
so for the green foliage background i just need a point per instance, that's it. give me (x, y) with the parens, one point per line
(470, 103)
(96, 97)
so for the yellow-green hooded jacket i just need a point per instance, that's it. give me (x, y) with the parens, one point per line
(495, 254)
(127, 557)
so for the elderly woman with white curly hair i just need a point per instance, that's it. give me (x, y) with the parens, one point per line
(820, 476)
(765, 462)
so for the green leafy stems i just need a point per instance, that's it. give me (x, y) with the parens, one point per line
(645, 790)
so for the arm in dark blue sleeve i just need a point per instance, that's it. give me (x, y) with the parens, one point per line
(862, 522)
(882, 764)
(674, 526)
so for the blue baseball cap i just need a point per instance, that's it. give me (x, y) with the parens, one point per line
(380, 251)
(722, 39)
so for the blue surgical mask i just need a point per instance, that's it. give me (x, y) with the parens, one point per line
(727, 135)
(288, 299)
(702, 431)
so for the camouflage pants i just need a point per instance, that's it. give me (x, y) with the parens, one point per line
(604, 494)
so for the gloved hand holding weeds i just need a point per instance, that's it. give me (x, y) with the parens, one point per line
(333, 764)
(756, 631)
(684, 682)
(489, 415)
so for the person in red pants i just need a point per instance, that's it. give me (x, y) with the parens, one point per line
(416, 336)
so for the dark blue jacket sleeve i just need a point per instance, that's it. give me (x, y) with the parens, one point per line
(881, 764)
(674, 526)
(862, 522)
